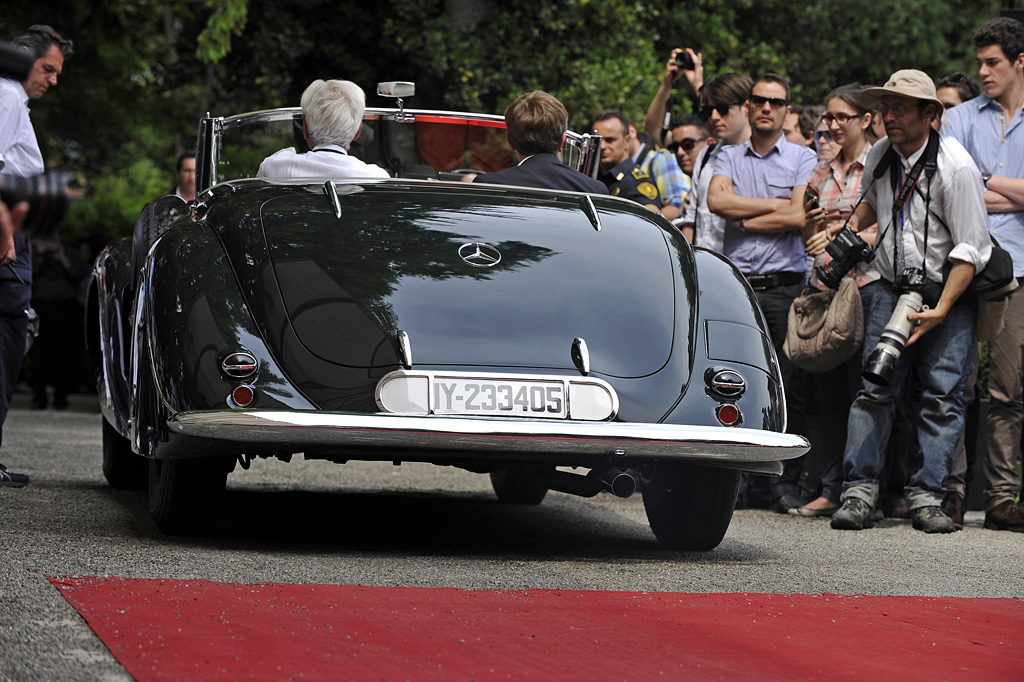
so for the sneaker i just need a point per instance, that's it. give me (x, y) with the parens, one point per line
(11, 479)
(932, 520)
(1006, 516)
(855, 514)
(953, 507)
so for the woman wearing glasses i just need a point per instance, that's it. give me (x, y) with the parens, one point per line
(837, 181)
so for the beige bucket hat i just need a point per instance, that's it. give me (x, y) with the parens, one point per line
(908, 83)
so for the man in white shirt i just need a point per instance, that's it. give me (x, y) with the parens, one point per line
(332, 120)
(20, 156)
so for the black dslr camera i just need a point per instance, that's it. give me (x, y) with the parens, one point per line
(684, 61)
(847, 249)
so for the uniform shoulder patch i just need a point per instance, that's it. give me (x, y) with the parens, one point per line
(648, 189)
(640, 174)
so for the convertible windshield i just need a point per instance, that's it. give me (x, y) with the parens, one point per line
(410, 144)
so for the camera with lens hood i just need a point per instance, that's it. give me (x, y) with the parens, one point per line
(847, 249)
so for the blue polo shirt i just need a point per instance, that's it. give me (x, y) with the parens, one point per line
(772, 176)
(997, 146)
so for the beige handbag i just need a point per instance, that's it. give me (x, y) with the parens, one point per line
(826, 328)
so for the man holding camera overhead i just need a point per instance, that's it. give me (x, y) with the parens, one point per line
(20, 156)
(926, 195)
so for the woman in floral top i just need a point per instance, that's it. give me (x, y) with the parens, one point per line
(838, 183)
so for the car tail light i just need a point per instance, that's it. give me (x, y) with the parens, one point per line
(727, 383)
(239, 365)
(729, 415)
(242, 396)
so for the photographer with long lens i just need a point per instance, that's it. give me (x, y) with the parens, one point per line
(20, 157)
(925, 193)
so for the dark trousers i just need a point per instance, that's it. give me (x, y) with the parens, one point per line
(775, 304)
(12, 349)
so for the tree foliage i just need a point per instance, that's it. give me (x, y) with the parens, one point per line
(145, 71)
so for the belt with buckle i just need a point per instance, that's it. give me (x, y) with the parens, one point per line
(776, 279)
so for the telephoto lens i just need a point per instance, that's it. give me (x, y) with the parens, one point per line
(48, 195)
(881, 363)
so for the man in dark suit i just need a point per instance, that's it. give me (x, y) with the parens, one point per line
(536, 124)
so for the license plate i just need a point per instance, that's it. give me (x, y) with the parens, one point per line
(508, 398)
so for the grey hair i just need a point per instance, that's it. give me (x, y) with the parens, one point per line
(333, 111)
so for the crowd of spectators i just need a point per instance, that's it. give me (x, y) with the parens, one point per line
(749, 157)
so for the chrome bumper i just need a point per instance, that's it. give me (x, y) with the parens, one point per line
(295, 430)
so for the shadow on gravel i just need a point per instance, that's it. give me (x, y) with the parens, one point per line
(396, 523)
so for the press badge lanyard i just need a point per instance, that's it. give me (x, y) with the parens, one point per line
(927, 164)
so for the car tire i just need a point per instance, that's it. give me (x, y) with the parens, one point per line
(185, 495)
(123, 469)
(689, 506)
(518, 484)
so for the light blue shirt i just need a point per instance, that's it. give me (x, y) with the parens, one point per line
(997, 147)
(772, 176)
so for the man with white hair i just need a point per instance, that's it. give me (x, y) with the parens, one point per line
(332, 120)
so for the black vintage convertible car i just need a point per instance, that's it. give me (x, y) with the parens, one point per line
(553, 340)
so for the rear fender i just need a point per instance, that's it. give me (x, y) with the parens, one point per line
(731, 334)
(194, 315)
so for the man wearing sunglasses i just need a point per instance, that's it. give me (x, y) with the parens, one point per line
(721, 100)
(688, 135)
(758, 187)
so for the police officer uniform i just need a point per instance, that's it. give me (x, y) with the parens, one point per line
(629, 181)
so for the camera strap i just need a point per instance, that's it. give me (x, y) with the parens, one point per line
(928, 164)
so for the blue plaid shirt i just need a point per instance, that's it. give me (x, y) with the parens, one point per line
(673, 184)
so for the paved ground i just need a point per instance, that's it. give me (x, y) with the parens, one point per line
(415, 525)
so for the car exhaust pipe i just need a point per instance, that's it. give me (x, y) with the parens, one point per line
(620, 482)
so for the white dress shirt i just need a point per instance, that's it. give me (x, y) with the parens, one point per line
(957, 226)
(323, 161)
(19, 151)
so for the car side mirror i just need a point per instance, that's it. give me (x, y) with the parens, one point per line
(167, 209)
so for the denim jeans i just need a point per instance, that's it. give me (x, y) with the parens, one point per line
(940, 359)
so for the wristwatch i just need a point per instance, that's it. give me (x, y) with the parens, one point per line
(985, 177)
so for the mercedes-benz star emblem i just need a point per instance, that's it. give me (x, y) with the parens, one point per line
(480, 255)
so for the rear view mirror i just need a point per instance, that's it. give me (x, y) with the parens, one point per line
(396, 89)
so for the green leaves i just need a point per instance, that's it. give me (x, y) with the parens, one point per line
(228, 19)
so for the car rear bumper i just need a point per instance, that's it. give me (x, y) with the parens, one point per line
(295, 430)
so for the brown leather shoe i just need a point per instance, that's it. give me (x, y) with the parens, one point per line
(1005, 516)
(953, 507)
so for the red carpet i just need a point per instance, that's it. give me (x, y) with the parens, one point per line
(201, 630)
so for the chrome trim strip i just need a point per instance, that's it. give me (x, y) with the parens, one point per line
(331, 190)
(623, 440)
(587, 204)
(580, 355)
(405, 349)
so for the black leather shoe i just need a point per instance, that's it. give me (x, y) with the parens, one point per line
(11, 479)
(932, 520)
(855, 514)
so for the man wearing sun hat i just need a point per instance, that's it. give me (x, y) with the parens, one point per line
(940, 228)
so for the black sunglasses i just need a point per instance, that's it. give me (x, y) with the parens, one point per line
(687, 143)
(776, 102)
(722, 109)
